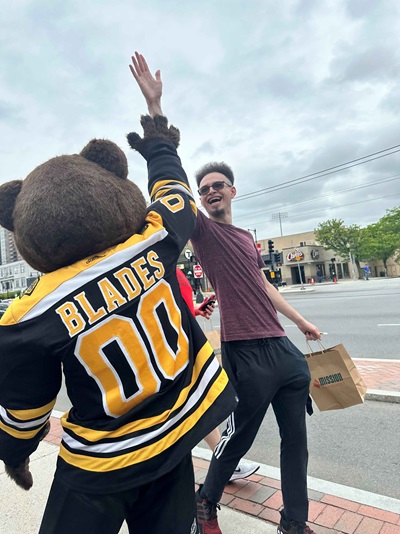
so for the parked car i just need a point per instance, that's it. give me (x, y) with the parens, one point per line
(4, 304)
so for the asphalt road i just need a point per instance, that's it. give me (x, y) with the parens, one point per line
(364, 316)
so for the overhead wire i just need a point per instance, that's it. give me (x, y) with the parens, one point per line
(319, 174)
(333, 207)
(324, 197)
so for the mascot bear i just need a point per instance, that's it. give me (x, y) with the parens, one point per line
(143, 383)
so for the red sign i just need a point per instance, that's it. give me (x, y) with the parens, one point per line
(197, 271)
(259, 247)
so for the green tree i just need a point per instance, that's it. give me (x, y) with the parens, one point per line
(334, 235)
(381, 241)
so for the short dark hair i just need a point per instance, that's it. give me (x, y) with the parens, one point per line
(214, 166)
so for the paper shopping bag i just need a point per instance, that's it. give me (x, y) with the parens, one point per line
(335, 380)
(214, 339)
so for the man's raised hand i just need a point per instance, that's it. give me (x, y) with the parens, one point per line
(150, 86)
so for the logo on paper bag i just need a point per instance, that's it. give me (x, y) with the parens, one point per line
(328, 380)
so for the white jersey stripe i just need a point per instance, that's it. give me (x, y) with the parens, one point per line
(26, 424)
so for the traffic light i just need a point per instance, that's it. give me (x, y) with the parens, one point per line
(278, 258)
(270, 246)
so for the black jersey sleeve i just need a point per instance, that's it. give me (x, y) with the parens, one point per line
(169, 190)
(29, 383)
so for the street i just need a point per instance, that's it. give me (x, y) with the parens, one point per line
(364, 316)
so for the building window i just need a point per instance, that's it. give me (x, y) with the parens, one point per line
(23, 282)
(22, 268)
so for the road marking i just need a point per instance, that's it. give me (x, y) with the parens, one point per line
(388, 324)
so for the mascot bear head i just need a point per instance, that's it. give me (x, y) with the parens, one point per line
(72, 207)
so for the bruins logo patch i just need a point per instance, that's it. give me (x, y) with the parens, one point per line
(31, 288)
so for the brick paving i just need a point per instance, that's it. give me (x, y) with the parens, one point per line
(327, 514)
(380, 375)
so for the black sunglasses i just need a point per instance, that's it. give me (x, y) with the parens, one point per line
(217, 186)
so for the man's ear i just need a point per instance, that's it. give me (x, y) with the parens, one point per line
(233, 191)
(8, 197)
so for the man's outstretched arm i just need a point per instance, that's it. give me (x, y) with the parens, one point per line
(310, 330)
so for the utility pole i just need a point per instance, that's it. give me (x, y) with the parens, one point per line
(254, 232)
(280, 215)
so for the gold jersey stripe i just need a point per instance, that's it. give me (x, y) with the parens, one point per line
(102, 465)
(20, 434)
(93, 436)
(166, 185)
(34, 413)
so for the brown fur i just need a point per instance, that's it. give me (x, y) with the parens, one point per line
(152, 128)
(8, 196)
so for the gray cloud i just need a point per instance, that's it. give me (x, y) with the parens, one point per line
(276, 89)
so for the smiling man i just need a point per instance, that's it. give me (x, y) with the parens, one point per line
(263, 365)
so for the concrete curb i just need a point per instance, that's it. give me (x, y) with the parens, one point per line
(381, 395)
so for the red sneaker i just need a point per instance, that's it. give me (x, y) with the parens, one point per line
(207, 515)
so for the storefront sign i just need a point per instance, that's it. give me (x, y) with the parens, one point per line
(296, 255)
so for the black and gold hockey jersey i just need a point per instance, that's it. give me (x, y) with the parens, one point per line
(143, 382)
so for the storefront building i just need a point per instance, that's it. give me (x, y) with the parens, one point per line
(303, 260)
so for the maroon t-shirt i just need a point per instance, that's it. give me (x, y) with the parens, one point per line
(232, 262)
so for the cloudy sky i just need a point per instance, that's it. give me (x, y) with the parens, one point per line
(279, 90)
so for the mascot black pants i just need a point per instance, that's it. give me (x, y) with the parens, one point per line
(165, 506)
(263, 372)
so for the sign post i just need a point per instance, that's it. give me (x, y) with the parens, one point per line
(197, 271)
(299, 256)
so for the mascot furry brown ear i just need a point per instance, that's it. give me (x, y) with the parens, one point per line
(72, 207)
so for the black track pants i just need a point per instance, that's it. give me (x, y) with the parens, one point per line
(265, 371)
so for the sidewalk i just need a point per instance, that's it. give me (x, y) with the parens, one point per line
(249, 506)
(382, 378)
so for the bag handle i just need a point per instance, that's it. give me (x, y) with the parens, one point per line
(323, 349)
